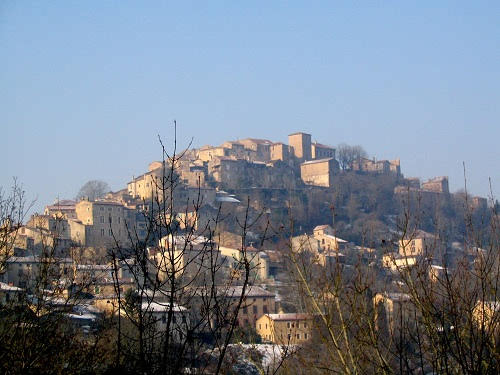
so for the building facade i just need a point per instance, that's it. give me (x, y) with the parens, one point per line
(319, 172)
(285, 329)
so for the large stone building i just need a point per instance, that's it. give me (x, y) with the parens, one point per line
(107, 223)
(377, 166)
(436, 185)
(319, 151)
(285, 329)
(148, 185)
(319, 172)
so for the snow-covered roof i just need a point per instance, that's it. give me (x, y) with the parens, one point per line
(9, 288)
(161, 307)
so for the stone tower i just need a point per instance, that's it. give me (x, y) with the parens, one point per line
(300, 144)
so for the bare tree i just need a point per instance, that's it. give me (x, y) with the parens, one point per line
(346, 155)
(437, 312)
(93, 190)
(37, 334)
(13, 210)
(184, 307)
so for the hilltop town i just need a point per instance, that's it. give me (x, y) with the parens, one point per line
(253, 217)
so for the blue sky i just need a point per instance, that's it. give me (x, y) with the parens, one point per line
(86, 87)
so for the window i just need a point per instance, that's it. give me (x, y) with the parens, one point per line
(110, 233)
(101, 208)
(119, 220)
(163, 318)
(266, 325)
(255, 310)
(298, 336)
(305, 336)
(102, 219)
(260, 326)
(245, 310)
(304, 324)
(102, 232)
(289, 337)
(287, 324)
(110, 219)
(265, 309)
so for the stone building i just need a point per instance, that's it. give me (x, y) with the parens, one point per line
(146, 185)
(106, 223)
(227, 169)
(62, 208)
(235, 149)
(25, 271)
(258, 259)
(419, 243)
(261, 148)
(393, 311)
(479, 203)
(436, 185)
(285, 329)
(256, 303)
(319, 151)
(207, 153)
(395, 167)
(327, 240)
(319, 172)
(280, 151)
(300, 144)
(377, 166)
(412, 182)
(48, 232)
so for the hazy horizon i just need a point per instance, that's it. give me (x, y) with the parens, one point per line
(88, 87)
